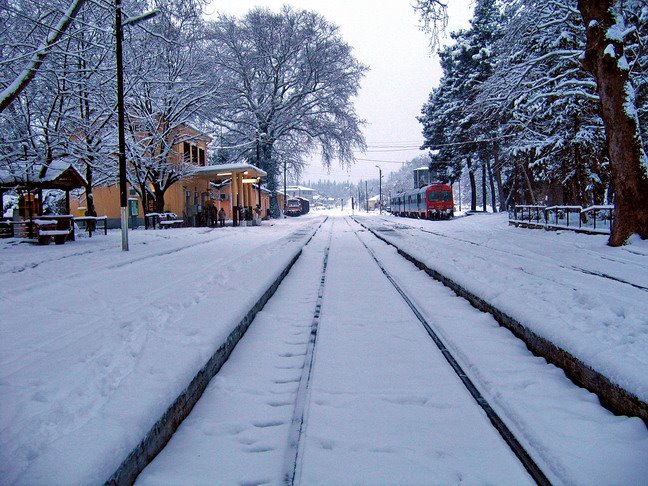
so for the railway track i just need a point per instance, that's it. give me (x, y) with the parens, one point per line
(342, 378)
(573, 268)
(292, 465)
(612, 396)
(297, 423)
(509, 437)
(298, 430)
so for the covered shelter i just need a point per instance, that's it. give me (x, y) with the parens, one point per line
(243, 177)
(30, 181)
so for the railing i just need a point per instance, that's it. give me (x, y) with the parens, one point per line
(593, 219)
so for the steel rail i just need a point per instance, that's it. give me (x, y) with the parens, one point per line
(527, 461)
(526, 257)
(291, 462)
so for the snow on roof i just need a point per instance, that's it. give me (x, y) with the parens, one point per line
(299, 188)
(57, 175)
(234, 167)
(200, 133)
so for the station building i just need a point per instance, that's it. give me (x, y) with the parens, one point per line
(234, 187)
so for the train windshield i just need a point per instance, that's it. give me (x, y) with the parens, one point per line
(440, 196)
(292, 203)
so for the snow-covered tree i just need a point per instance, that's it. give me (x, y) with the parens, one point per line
(450, 122)
(169, 81)
(605, 57)
(546, 107)
(43, 24)
(89, 129)
(49, 118)
(544, 100)
(288, 80)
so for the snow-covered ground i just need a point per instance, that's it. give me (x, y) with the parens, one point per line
(572, 289)
(97, 343)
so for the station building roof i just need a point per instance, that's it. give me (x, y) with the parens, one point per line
(226, 170)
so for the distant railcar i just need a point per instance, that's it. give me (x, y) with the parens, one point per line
(305, 205)
(293, 206)
(429, 202)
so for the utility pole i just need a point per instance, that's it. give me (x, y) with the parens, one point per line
(121, 136)
(379, 188)
(359, 196)
(366, 197)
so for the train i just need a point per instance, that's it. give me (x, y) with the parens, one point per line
(296, 206)
(429, 202)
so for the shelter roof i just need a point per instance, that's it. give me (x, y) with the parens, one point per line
(57, 175)
(225, 170)
(300, 188)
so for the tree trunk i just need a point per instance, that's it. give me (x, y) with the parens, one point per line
(492, 185)
(159, 199)
(268, 165)
(484, 195)
(507, 201)
(604, 58)
(527, 179)
(473, 185)
(90, 205)
(498, 177)
(580, 180)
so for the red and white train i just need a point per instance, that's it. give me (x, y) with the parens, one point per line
(429, 202)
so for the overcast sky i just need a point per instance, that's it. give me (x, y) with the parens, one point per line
(386, 37)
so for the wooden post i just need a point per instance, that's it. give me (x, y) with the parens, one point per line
(235, 199)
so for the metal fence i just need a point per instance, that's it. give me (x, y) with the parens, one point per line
(593, 219)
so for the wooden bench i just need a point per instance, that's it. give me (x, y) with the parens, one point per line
(171, 223)
(45, 236)
(6, 230)
(41, 230)
(64, 222)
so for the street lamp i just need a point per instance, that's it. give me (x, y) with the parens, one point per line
(379, 187)
(123, 196)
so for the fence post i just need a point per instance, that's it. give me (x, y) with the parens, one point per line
(580, 219)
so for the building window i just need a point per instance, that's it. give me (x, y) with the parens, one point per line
(201, 157)
(194, 154)
(186, 152)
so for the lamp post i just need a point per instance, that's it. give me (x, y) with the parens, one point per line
(121, 136)
(379, 188)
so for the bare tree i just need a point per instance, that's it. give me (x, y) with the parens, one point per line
(434, 14)
(169, 83)
(288, 80)
(13, 89)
